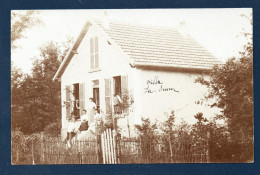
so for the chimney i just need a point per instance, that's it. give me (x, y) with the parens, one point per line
(183, 30)
(105, 20)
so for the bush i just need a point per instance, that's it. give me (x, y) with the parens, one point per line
(24, 148)
(53, 129)
(148, 136)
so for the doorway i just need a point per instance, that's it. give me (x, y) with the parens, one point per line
(96, 97)
(96, 94)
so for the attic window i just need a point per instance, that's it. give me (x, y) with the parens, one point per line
(94, 57)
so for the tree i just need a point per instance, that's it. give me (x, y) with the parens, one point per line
(16, 81)
(36, 98)
(148, 137)
(167, 128)
(20, 22)
(147, 130)
(231, 86)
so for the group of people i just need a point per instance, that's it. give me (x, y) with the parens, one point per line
(90, 120)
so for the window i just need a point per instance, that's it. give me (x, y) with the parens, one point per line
(120, 90)
(117, 95)
(94, 57)
(116, 89)
(117, 85)
(75, 100)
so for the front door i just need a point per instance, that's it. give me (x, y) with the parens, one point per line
(96, 97)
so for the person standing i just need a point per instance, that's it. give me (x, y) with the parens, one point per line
(91, 110)
(98, 130)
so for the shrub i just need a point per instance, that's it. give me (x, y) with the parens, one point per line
(53, 129)
(148, 135)
(25, 148)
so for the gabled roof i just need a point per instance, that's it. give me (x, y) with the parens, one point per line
(156, 47)
(71, 52)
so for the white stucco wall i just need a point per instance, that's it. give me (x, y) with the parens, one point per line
(112, 61)
(157, 102)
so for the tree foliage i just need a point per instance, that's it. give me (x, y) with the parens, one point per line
(23, 147)
(147, 130)
(148, 136)
(20, 22)
(231, 86)
(35, 97)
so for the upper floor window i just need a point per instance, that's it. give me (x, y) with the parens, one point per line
(94, 58)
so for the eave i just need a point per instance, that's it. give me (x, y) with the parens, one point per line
(71, 52)
(171, 68)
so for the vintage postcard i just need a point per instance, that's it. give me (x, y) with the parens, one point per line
(139, 86)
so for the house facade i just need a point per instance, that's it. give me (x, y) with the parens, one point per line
(156, 66)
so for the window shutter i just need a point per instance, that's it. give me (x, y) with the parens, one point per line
(68, 107)
(96, 44)
(91, 53)
(96, 61)
(124, 84)
(92, 61)
(81, 97)
(108, 95)
(91, 46)
(94, 56)
(124, 89)
(72, 99)
(96, 53)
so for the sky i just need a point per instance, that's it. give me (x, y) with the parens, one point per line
(218, 30)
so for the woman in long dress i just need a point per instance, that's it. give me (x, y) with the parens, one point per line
(91, 110)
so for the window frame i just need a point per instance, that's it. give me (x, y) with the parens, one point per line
(94, 53)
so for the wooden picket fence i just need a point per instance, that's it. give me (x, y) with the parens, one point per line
(56, 151)
(136, 150)
(143, 151)
(109, 149)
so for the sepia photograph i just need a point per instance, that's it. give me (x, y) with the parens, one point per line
(132, 86)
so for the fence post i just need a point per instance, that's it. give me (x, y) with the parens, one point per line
(108, 147)
(17, 156)
(103, 148)
(114, 134)
(208, 150)
(33, 153)
(170, 143)
(150, 150)
(118, 147)
(80, 158)
(42, 148)
(111, 146)
(141, 148)
(100, 158)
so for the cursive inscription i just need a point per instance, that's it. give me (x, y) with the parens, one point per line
(155, 85)
(154, 81)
